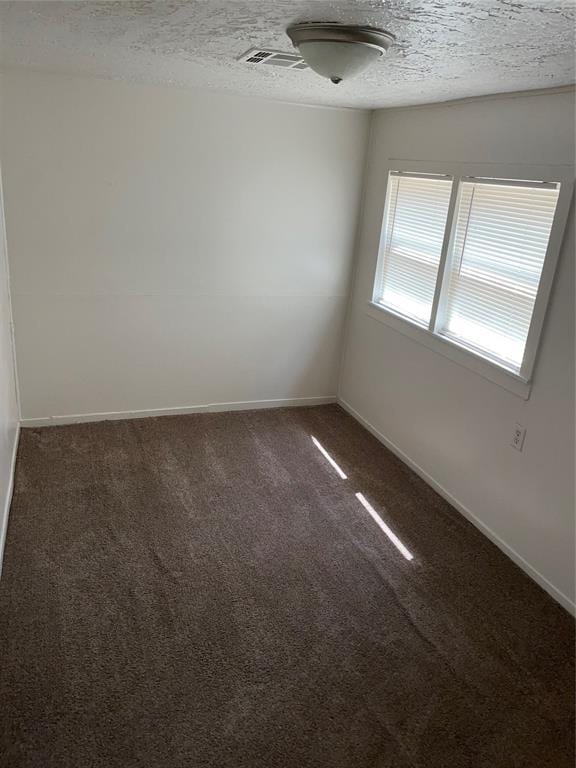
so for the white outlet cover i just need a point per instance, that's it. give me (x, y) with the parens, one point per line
(518, 437)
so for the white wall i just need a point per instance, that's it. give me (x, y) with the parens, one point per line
(171, 248)
(8, 397)
(453, 425)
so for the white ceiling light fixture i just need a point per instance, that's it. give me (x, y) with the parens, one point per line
(339, 51)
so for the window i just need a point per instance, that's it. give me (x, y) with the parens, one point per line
(462, 259)
(501, 234)
(416, 212)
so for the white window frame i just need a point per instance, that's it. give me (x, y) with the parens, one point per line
(517, 383)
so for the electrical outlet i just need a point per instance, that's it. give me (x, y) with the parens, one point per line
(518, 437)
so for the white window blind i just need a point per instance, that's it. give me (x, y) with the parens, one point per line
(499, 243)
(414, 226)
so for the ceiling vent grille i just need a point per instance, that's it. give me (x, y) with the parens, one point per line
(267, 58)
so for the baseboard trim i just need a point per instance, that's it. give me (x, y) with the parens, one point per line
(246, 405)
(8, 499)
(535, 575)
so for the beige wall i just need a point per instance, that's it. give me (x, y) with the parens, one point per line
(173, 248)
(453, 425)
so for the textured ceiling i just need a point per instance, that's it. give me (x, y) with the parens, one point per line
(445, 49)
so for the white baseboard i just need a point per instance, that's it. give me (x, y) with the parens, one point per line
(247, 405)
(8, 499)
(553, 591)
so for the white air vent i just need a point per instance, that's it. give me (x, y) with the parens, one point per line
(267, 58)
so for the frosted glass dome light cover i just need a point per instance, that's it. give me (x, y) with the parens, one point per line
(338, 60)
(339, 51)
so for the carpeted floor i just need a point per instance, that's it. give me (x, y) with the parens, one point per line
(207, 592)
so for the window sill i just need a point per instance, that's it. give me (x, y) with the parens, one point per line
(460, 355)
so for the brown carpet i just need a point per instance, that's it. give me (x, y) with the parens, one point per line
(206, 591)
